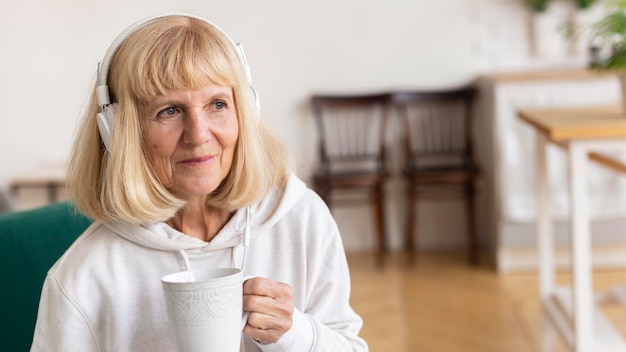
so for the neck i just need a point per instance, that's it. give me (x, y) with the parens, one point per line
(200, 220)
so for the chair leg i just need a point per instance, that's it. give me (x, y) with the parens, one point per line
(411, 229)
(381, 246)
(471, 224)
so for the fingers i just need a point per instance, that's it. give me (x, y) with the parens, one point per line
(270, 304)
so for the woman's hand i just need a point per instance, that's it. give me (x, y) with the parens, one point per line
(270, 304)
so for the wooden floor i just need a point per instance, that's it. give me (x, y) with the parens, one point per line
(440, 304)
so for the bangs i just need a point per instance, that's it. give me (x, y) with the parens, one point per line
(186, 56)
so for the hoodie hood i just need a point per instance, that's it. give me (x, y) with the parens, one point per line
(262, 214)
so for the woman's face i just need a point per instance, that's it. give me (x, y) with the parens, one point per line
(190, 137)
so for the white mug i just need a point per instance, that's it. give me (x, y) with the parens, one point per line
(205, 309)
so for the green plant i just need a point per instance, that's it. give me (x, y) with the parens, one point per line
(572, 28)
(584, 4)
(539, 5)
(610, 36)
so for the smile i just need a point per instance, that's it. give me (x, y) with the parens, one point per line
(198, 160)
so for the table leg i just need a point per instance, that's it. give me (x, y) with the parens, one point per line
(580, 248)
(545, 237)
(549, 334)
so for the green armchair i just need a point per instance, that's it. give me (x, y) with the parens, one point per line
(30, 243)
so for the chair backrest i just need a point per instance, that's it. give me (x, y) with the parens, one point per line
(436, 127)
(30, 243)
(351, 131)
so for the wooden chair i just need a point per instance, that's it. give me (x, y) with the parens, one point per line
(438, 151)
(352, 153)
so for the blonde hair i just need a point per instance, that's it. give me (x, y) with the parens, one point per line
(169, 53)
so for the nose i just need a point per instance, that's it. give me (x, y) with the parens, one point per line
(197, 130)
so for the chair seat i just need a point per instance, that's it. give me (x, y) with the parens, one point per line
(440, 175)
(351, 178)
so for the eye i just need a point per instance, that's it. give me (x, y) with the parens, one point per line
(219, 105)
(170, 111)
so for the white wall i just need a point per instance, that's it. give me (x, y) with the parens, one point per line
(295, 48)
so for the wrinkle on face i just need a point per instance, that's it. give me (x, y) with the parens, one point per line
(190, 137)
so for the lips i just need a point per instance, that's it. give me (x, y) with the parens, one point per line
(198, 160)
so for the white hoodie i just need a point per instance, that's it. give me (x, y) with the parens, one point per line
(104, 293)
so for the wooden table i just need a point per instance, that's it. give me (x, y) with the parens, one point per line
(584, 133)
(508, 167)
(50, 177)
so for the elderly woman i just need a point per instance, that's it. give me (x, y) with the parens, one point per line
(177, 169)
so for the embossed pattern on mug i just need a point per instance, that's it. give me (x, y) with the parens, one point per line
(202, 308)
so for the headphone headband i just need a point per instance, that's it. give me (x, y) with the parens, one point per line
(102, 90)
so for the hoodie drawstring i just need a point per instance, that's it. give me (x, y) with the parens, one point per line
(190, 276)
(245, 242)
(246, 239)
(186, 259)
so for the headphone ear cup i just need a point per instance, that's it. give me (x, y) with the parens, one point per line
(257, 100)
(106, 123)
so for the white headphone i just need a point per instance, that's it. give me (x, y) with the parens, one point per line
(106, 117)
